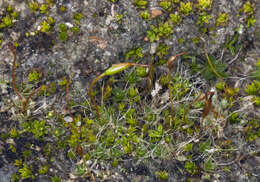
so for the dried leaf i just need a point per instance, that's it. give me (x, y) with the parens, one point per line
(155, 13)
(100, 43)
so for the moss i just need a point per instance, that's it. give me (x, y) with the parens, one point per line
(43, 170)
(248, 8)
(257, 101)
(141, 3)
(75, 29)
(45, 27)
(77, 16)
(63, 8)
(252, 130)
(253, 88)
(132, 92)
(222, 19)
(44, 8)
(119, 18)
(175, 18)
(62, 27)
(164, 30)
(195, 40)
(251, 21)
(186, 8)
(6, 21)
(162, 175)
(141, 71)
(113, 1)
(209, 165)
(26, 172)
(13, 133)
(135, 54)
(204, 19)
(162, 50)
(34, 6)
(234, 118)
(34, 76)
(63, 36)
(55, 179)
(166, 5)
(145, 15)
(191, 167)
(63, 82)
(204, 4)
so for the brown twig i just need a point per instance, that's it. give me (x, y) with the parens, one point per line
(12, 49)
(27, 100)
(67, 96)
(92, 99)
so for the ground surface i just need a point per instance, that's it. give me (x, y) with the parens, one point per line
(191, 118)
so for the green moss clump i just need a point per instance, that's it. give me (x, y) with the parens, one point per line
(113, 1)
(162, 50)
(34, 6)
(34, 76)
(8, 19)
(253, 88)
(44, 8)
(186, 8)
(166, 5)
(222, 19)
(191, 167)
(164, 30)
(77, 16)
(248, 8)
(63, 36)
(141, 3)
(204, 4)
(145, 15)
(46, 25)
(162, 175)
(63, 8)
(203, 19)
(175, 18)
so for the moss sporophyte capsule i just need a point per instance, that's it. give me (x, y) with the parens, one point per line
(116, 68)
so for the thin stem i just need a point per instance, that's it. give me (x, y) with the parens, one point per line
(12, 48)
(92, 95)
(27, 100)
(67, 96)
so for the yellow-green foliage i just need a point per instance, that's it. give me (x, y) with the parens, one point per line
(162, 31)
(47, 25)
(145, 15)
(8, 19)
(222, 19)
(186, 8)
(141, 3)
(166, 5)
(204, 18)
(248, 8)
(204, 4)
(175, 18)
(253, 88)
(34, 76)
